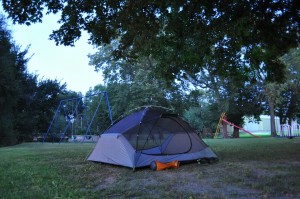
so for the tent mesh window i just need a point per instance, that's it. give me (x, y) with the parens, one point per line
(160, 136)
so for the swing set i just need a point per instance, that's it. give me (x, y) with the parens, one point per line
(76, 115)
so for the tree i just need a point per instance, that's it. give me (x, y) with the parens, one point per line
(102, 118)
(243, 103)
(45, 102)
(17, 88)
(8, 87)
(288, 107)
(26, 103)
(201, 113)
(273, 92)
(282, 97)
(25, 114)
(133, 84)
(237, 38)
(180, 35)
(235, 94)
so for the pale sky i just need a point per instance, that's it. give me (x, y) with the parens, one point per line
(67, 64)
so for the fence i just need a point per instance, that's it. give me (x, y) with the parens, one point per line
(290, 130)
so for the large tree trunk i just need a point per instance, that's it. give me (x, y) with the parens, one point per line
(236, 132)
(224, 130)
(272, 118)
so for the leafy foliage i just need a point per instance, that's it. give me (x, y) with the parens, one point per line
(289, 107)
(230, 48)
(26, 104)
(8, 87)
(133, 84)
(183, 36)
(46, 99)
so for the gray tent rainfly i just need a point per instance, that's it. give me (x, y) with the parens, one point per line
(147, 135)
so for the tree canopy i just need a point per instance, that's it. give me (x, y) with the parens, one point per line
(183, 36)
(132, 85)
(232, 48)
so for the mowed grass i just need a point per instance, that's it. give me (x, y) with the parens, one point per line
(259, 134)
(247, 168)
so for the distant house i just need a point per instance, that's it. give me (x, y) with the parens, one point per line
(262, 126)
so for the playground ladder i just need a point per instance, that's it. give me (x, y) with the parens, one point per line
(223, 115)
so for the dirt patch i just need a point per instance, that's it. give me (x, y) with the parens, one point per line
(107, 182)
(219, 180)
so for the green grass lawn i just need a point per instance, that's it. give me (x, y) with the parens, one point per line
(260, 134)
(247, 168)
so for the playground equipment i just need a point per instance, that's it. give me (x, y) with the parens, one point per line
(225, 135)
(72, 111)
(223, 123)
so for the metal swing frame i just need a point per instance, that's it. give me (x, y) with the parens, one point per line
(77, 102)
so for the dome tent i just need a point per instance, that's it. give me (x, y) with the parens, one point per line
(146, 135)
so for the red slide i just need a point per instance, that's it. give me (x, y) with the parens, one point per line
(240, 128)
